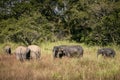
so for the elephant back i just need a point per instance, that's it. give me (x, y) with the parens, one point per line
(35, 51)
(22, 53)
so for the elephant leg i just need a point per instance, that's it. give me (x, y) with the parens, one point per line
(37, 55)
(20, 57)
(23, 56)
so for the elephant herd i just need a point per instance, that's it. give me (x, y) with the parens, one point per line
(34, 52)
(25, 53)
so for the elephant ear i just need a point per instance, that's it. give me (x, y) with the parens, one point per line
(60, 49)
(63, 51)
(102, 50)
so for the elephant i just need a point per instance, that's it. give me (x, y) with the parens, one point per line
(7, 50)
(106, 52)
(68, 50)
(22, 53)
(71, 51)
(35, 51)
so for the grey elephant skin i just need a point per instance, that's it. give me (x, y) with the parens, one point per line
(35, 51)
(8, 50)
(106, 52)
(22, 53)
(56, 50)
(67, 50)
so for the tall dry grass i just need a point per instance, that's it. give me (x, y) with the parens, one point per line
(89, 67)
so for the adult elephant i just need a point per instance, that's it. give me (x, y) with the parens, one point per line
(35, 51)
(72, 51)
(22, 53)
(8, 50)
(69, 51)
(106, 52)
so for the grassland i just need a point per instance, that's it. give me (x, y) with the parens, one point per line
(87, 68)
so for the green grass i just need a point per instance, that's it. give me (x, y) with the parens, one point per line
(89, 67)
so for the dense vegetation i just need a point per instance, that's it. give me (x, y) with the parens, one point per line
(33, 21)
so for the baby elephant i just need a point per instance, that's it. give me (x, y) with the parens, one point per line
(106, 52)
(7, 49)
(22, 53)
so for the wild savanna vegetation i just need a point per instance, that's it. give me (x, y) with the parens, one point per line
(90, 23)
(89, 67)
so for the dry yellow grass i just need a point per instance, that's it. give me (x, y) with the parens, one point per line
(87, 68)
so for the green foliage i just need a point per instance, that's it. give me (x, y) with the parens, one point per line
(31, 22)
